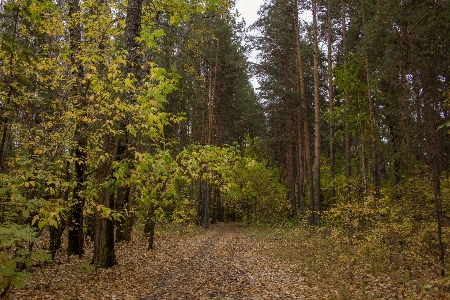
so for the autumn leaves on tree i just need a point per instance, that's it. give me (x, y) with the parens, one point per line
(116, 114)
(93, 96)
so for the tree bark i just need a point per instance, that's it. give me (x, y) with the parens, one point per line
(56, 233)
(303, 112)
(124, 152)
(330, 105)
(373, 144)
(434, 162)
(405, 110)
(348, 170)
(207, 196)
(149, 228)
(104, 255)
(151, 234)
(290, 164)
(9, 95)
(316, 207)
(75, 244)
(289, 154)
(200, 201)
(301, 165)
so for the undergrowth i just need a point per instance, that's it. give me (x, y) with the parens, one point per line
(364, 251)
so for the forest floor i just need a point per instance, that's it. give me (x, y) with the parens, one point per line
(228, 261)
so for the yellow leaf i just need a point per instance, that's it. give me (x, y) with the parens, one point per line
(52, 222)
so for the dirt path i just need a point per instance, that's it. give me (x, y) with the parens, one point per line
(221, 263)
(225, 264)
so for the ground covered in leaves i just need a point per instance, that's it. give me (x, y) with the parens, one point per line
(227, 261)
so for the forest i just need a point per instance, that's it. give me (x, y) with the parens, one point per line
(131, 132)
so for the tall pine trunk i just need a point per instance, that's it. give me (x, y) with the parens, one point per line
(289, 151)
(301, 165)
(330, 104)
(316, 207)
(75, 227)
(303, 116)
(373, 144)
(290, 164)
(348, 170)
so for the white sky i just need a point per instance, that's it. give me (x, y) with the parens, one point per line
(249, 9)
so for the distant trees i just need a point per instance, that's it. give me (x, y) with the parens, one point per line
(284, 71)
(214, 94)
(387, 80)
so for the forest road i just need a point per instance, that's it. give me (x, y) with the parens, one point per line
(225, 263)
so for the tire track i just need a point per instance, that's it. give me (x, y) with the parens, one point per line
(224, 264)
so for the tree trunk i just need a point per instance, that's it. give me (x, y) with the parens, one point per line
(395, 162)
(56, 233)
(290, 169)
(151, 234)
(301, 165)
(211, 137)
(75, 227)
(200, 202)
(405, 111)
(5, 131)
(124, 197)
(289, 154)
(104, 255)
(55, 238)
(330, 105)
(316, 207)
(9, 95)
(75, 233)
(132, 31)
(348, 170)
(124, 227)
(434, 162)
(303, 109)
(149, 228)
(218, 208)
(373, 144)
(207, 196)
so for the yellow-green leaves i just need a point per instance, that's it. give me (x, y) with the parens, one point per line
(14, 237)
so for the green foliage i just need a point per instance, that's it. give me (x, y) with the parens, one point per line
(157, 179)
(16, 254)
(56, 90)
(350, 82)
(262, 195)
(249, 189)
(168, 186)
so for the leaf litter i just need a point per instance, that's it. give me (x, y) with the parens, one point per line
(224, 262)
(221, 263)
